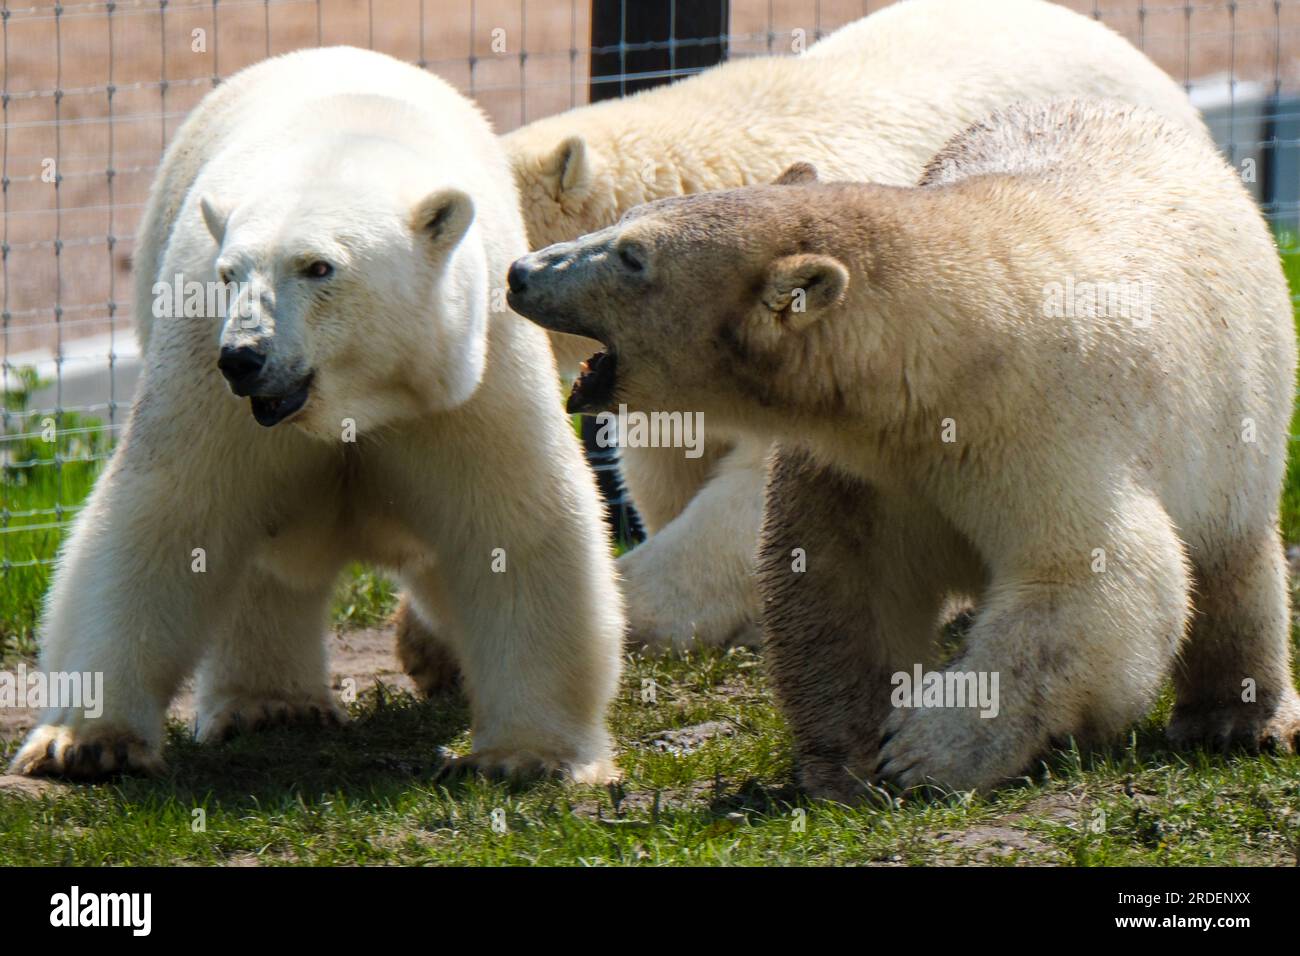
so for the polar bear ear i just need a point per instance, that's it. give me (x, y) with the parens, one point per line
(802, 287)
(215, 215)
(442, 218)
(796, 175)
(568, 168)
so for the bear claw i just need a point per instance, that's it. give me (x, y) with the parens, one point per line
(1233, 727)
(518, 767)
(84, 754)
(244, 715)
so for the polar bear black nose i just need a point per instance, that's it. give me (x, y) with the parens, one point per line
(240, 365)
(515, 277)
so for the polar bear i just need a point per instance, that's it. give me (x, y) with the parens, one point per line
(360, 393)
(1057, 376)
(871, 102)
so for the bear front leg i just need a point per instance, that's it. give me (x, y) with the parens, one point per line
(268, 666)
(524, 583)
(540, 652)
(852, 588)
(1071, 641)
(693, 580)
(143, 578)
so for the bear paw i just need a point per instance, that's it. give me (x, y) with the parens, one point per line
(239, 715)
(87, 751)
(524, 766)
(1237, 726)
(833, 777)
(941, 748)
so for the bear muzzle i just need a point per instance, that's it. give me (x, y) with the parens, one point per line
(242, 366)
(269, 410)
(531, 292)
(245, 370)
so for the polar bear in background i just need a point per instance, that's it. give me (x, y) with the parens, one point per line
(873, 102)
(364, 395)
(1057, 377)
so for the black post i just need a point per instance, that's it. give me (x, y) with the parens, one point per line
(637, 44)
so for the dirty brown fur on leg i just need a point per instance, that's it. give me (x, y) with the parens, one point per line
(423, 656)
(837, 631)
(1233, 679)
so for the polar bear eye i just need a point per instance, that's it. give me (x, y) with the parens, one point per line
(320, 269)
(630, 256)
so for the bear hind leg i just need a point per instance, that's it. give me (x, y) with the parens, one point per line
(424, 648)
(268, 667)
(1234, 686)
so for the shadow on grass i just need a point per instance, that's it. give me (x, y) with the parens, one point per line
(392, 742)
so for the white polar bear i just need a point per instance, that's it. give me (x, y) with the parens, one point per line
(361, 211)
(871, 102)
(1055, 377)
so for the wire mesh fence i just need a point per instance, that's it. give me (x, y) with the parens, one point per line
(93, 91)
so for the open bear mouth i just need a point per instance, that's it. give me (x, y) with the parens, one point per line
(270, 410)
(595, 384)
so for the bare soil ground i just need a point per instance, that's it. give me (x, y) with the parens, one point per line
(364, 657)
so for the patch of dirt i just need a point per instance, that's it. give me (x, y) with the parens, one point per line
(33, 787)
(738, 691)
(368, 658)
(684, 740)
(987, 843)
(1054, 807)
(1003, 836)
(730, 800)
(358, 661)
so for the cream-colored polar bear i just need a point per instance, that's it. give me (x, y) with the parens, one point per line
(362, 394)
(1057, 377)
(871, 102)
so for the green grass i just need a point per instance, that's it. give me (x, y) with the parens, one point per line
(365, 598)
(367, 793)
(1289, 244)
(42, 483)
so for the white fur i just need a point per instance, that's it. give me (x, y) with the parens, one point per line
(872, 102)
(462, 447)
(1100, 475)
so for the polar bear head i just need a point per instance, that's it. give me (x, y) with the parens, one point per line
(708, 301)
(359, 288)
(566, 188)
